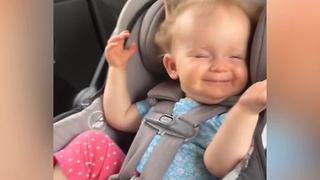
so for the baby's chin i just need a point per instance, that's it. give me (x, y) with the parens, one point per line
(212, 101)
(207, 100)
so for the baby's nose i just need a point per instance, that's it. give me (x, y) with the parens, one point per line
(219, 65)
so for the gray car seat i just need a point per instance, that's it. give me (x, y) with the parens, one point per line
(142, 18)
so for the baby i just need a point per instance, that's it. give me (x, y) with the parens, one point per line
(205, 45)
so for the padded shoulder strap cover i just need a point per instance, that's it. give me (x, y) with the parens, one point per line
(168, 90)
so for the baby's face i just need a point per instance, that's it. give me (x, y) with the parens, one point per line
(210, 53)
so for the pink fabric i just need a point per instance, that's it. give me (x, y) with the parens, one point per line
(90, 155)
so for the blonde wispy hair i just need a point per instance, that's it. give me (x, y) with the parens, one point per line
(174, 8)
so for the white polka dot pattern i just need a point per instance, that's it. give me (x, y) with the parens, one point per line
(91, 155)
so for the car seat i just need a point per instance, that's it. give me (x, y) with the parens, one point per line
(145, 69)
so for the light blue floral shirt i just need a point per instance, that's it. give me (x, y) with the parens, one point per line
(188, 162)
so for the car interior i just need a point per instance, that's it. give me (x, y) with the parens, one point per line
(81, 29)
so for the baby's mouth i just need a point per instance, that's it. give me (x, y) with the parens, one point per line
(218, 78)
(218, 82)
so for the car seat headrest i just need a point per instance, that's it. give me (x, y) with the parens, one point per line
(152, 59)
(150, 52)
(258, 65)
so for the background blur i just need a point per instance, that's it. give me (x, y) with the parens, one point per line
(293, 89)
(26, 89)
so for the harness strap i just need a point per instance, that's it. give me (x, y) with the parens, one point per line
(173, 130)
(138, 146)
(141, 142)
(201, 113)
(167, 90)
(164, 152)
(161, 157)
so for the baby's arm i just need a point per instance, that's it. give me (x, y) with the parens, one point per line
(234, 138)
(118, 108)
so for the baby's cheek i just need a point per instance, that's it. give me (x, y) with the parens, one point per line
(242, 77)
(187, 85)
(188, 82)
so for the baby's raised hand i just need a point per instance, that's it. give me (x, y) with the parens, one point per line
(254, 99)
(116, 54)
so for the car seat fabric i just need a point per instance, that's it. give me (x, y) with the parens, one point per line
(150, 54)
(140, 80)
(144, 70)
(258, 66)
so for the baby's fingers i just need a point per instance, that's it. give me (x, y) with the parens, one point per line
(133, 48)
(124, 34)
(254, 99)
(111, 45)
(263, 95)
(262, 99)
(128, 53)
(121, 36)
(114, 39)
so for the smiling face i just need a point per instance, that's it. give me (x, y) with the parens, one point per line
(208, 53)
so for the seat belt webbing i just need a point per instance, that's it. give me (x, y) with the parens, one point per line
(165, 150)
(202, 113)
(141, 142)
(161, 157)
(138, 146)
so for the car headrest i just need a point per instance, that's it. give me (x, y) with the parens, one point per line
(150, 52)
(258, 61)
(152, 59)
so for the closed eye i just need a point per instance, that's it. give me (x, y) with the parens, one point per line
(201, 56)
(236, 57)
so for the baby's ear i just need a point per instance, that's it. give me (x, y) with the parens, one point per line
(170, 65)
(170, 5)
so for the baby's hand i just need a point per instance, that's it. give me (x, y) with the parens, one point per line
(115, 53)
(254, 99)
